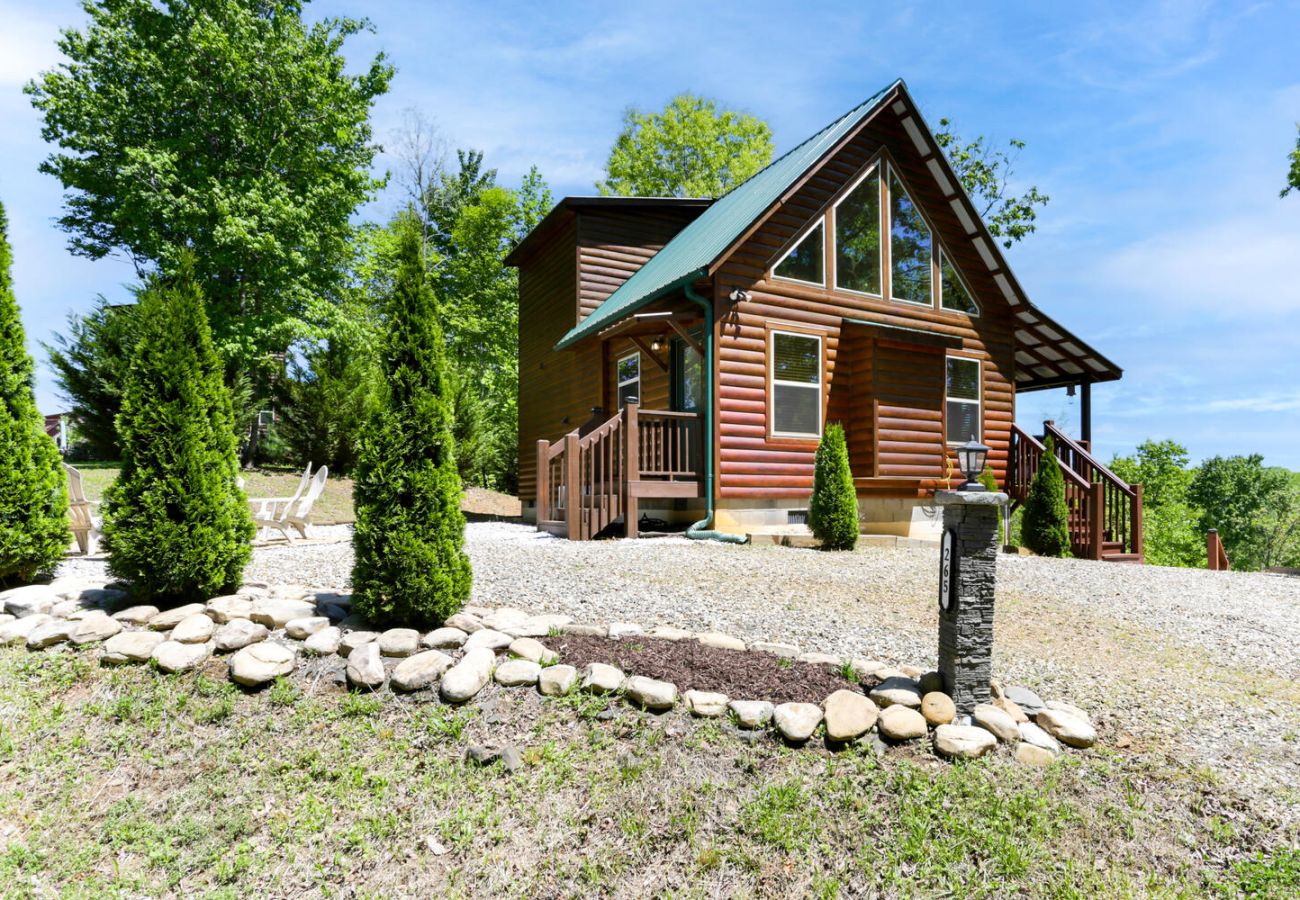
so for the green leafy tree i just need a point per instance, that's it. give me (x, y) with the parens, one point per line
(1045, 526)
(1256, 509)
(411, 568)
(1293, 176)
(833, 508)
(229, 130)
(1171, 535)
(176, 524)
(470, 223)
(690, 148)
(90, 363)
(324, 403)
(986, 172)
(33, 490)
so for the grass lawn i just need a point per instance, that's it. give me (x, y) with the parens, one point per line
(334, 506)
(125, 782)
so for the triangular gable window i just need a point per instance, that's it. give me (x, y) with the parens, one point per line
(909, 247)
(857, 237)
(806, 260)
(953, 294)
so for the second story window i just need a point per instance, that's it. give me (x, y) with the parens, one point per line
(629, 379)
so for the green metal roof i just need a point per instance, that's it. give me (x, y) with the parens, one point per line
(688, 256)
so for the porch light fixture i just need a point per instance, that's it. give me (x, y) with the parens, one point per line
(970, 459)
(657, 344)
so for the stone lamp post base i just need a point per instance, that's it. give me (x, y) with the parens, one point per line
(968, 578)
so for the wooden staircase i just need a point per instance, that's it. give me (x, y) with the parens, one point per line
(587, 481)
(1104, 513)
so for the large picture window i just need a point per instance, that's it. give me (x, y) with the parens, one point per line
(963, 400)
(806, 260)
(879, 242)
(629, 379)
(857, 237)
(909, 247)
(796, 384)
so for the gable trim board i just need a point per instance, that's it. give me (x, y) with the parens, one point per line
(700, 248)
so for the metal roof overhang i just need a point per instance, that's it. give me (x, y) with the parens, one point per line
(1049, 356)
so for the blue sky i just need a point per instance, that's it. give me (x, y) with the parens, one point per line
(1160, 131)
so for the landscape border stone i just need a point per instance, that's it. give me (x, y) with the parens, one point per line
(461, 658)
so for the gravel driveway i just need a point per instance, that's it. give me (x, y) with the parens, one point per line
(1188, 665)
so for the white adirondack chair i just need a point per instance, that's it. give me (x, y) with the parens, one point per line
(81, 513)
(296, 512)
(274, 507)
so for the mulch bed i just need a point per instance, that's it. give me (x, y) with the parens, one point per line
(740, 674)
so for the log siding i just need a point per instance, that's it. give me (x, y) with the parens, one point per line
(888, 392)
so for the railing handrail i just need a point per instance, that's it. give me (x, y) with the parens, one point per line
(1066, 471)
(666, 414)
(601, 431)
(1106, 474)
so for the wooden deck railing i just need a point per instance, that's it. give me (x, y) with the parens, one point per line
(1104, 513)
(585, 482)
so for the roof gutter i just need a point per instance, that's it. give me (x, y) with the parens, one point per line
(701, 531)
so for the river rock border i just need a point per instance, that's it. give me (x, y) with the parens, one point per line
(264, 630)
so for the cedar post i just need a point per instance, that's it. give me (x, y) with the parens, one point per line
(1137, 522)
(543, 476)
(1214, 552)
(631, 468)
(572, 488)
(1097, 510)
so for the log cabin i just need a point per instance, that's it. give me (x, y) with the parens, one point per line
(679, 358)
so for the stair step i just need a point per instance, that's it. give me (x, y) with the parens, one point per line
(1134, 558)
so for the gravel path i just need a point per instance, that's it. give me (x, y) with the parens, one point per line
(1195, 665)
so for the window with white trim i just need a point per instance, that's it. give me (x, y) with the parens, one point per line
(953, 295)
(629, 379)
(857, 237)
(964, 404)
(795, 374)
(878, 235)
(806, 260)
(909, 248)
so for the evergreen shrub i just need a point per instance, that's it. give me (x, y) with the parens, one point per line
(176, 523)
(410, 567)
(1045, 528)
(33, 488)
(833, 509)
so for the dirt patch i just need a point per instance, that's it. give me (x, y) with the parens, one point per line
(740, 674)
(480, 504)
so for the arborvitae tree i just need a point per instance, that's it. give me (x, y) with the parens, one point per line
(833, 509)
(33, 490)
(176, 523)
(1045, 528)
(411, 568)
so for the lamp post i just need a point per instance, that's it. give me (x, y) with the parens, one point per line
(970, 459)
(967, 582)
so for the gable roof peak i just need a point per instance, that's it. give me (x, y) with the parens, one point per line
(694, 249)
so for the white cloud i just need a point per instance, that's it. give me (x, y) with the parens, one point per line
(1264, 403)
(1235, 267)
(27, 44)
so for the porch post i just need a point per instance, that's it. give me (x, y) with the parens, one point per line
(572, 488)
(543, 474)
(1085, 414)
(631, 469)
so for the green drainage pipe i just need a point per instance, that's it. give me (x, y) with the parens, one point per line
(700, 530)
